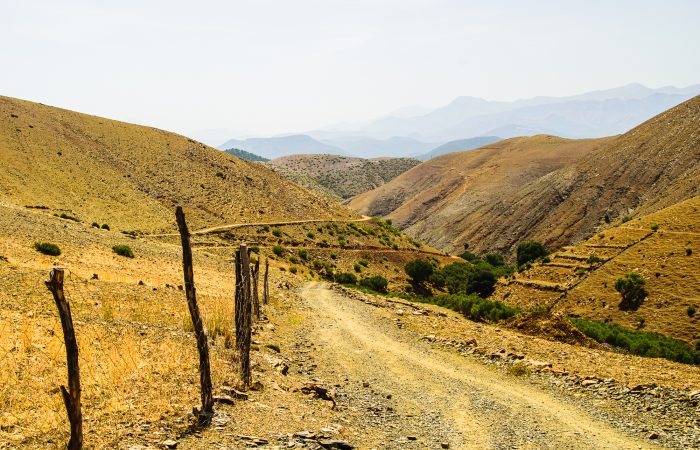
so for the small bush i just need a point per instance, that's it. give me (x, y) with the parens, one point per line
(376, 283)
(220, 174)
(474, 307)
(95, 225)
(688, 251)
(278, 250)
(654, 226)
(254, 249)
(631, 288)
(690, 311)
(105, 226)
(274, 347)
(357, 268)
(310, 235)
(345, 278)
(303, 254)
(293, 269)
(123, 250)
(294, 260)
(519, 369)
(47, 248)
(334, 255)
(626, 219)
(266, 228)
(363, 262)
(593, 259)
(277, 232)
(495, 259)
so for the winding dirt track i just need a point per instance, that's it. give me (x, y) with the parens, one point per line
(469, 405)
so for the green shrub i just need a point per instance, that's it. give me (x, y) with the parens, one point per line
(220, 174)
(631, 288)
(254, 249)
(626, 219)
(529, 251)
(495, 259)
(654, 226)
(363, 262)
(294, 260)
(105, 226)
(310, 235)
(471, 257)
(266, 228)
(293, 269)
(690, 311)
(274, 347)
(277, 232)
(482, 283)
(593, 259)
(334, 255)
(67, 217)
(419, 270)
(303, 254)
(357, 268)
(688, 251)
(345, 278)
(376, 283)
(95, 225)
(473, 307)
(123, 250)
(278, 250)
(47, 248)
(637, 342)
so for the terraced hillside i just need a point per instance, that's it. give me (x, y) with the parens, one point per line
(555, 200)
(345, 176)
(131, 177)
(579, 280)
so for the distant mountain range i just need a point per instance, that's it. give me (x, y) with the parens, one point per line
(459, 145)
(593, 114)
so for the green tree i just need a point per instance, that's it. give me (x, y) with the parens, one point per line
(631, 288)
(419, 270)
(529, 251)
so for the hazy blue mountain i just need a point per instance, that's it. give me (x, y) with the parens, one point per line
(597, 113)
(242, 154)
(371, 148)
(274, 147)
(459, 145)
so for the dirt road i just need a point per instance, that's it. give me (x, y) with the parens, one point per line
(417, 396)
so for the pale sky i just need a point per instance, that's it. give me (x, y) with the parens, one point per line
(263, 67)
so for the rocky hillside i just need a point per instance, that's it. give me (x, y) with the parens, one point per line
(653, 166)
(343, 175)
(131, 177)
(580, 280)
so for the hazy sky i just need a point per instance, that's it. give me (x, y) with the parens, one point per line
(273, 66)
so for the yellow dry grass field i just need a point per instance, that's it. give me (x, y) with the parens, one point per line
(662, 247)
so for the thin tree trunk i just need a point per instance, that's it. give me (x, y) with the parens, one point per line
(207, 411)
(71, 397)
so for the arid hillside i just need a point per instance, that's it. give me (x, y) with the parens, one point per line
(131, 177)
(580, 280)
(653, 166)
(343, 175)
(437, 199)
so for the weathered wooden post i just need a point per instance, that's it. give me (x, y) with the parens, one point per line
(266, 292)
(207, 411)
(256, 299)
(243, 313)
(71, 397)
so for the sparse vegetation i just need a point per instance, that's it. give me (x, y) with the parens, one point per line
(363, 262)
(278, 250)
(637, 342)
(690, 311)
(68, 217)
(654, 226)
(345, 278)
(277, 232)
(105, 226)
(688, 251)
(310, 235)
(47, 248)
(626, 218)
(95, 225)
(123, 250)
(519, 369)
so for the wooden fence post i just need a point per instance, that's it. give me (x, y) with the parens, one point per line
(71, 397)
(243, 313)
(256, 299)
(207, 411)
(266, 292)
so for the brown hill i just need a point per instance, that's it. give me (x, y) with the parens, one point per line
(131, 176)
(654, 165)
(580, 280)
(438, 199)
(344, 175)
